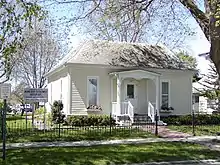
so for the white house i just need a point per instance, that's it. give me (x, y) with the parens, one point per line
(201, 104)
(122, 78)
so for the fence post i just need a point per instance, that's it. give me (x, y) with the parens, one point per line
(44, 118)
(156, 124)
(110, 123)
(59, 130)
(193, 123)
(4, 129)
(26, 120)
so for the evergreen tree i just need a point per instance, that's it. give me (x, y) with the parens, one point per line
(57, 113)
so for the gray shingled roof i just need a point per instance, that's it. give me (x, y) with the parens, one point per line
(125, 54)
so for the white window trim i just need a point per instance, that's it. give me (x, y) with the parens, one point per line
(125, 88)
(87, 80)
(169, 94)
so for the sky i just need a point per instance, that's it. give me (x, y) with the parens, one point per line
(199, 45)
(195, 45)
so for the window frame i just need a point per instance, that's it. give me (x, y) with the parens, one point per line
(133, 90)
(161, 94)
(98, 87)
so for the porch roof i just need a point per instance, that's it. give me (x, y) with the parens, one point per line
(137, 74)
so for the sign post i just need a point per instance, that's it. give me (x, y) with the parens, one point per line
(4, 129)
(5, 94)
(36, 95)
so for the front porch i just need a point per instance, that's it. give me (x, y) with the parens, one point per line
(135, 92)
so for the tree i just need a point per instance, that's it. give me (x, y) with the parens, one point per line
(211, 85)
(208, 20)
(17, 93)
(14, 16)
(57, 114)
(130, 21)
(190, 60)
(40, 52)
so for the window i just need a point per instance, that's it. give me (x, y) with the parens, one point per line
(196, 99)
(92, 90)
(130, 91)
(165, 94)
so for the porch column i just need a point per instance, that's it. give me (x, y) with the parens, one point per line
(118, 93)
(157, 93)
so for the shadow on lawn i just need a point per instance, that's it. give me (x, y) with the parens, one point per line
(40, 136)
(103, 155)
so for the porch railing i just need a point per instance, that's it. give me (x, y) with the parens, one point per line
(151, 111)
(125, 109)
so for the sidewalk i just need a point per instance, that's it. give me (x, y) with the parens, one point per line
(204, 140)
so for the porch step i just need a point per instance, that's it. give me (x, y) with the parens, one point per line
(139, 119)
(142, 119)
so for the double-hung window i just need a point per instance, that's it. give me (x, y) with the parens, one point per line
(165, 95)
(92, 91)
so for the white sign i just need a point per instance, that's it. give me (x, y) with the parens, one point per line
(5, 91)
(35, 95)
(202, 104)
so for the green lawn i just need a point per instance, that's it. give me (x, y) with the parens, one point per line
(69, 135)
(18, 132)
(104, 155)
(199, 130)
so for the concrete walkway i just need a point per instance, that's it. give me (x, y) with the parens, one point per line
(198, 139)
(165, 132)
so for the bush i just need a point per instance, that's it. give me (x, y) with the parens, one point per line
(187, 119)
(40, 111)
(91, 120)
(57, 113)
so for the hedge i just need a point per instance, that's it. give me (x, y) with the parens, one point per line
(91, 120)
(187, 119)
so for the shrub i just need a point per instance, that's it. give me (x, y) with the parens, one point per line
(40, 111)
(187, 119)
(91, 120)
(57, 113)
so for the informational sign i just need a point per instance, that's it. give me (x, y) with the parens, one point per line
(5, 91)
(202, 104)
(35, 95)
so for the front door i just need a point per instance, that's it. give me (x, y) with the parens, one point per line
(131, 93)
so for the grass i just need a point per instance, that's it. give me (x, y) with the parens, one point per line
(18, 132)
(105, 155)
(211, 130)
(70, 135)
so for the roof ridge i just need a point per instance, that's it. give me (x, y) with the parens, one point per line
(79, 47)
(123, 42)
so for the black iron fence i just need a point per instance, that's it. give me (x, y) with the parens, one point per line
(25, 128)
(195, 124)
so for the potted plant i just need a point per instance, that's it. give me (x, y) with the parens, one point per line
(166, 109)
(94, 108)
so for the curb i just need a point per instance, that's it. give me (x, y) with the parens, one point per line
(199, 140)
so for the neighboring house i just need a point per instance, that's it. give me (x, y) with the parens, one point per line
(102, 77)
(201, 104)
